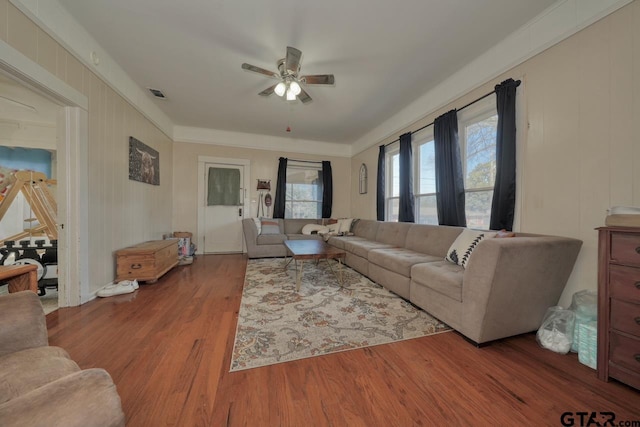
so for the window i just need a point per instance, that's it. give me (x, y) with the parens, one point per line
(393, 184)
(303, 197)
(477, 140)
(478, 144)
(425, 171)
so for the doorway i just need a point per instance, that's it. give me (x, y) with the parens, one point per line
(71, 157)
(223, 204)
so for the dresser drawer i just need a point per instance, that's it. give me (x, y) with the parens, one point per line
(625, 248)
(625, 351)
(625, 317)
(624, 283)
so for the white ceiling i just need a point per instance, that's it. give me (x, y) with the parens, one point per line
(384, 55)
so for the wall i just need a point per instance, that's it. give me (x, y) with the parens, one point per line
(264, 165)
(121, 212)
(580, 152)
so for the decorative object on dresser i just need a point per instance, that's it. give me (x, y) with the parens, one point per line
(146, 262)
(619, 304)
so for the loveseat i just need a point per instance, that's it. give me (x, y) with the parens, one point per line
(503, 287)
(39, 384)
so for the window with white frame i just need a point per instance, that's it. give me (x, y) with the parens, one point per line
(478, 128)
(425, 178)
(392, 192)
(303, 196)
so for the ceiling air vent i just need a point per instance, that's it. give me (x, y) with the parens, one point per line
(157, 93)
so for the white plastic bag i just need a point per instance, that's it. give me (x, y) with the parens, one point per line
(556, 331)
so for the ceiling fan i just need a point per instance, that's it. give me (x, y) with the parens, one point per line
(290, 82)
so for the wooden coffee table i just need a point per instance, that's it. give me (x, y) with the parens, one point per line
(301, 250)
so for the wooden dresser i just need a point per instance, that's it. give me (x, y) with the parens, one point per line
(148, 261)
(619, 305)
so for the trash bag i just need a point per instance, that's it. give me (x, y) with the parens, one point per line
(585, 306)
(556, 331)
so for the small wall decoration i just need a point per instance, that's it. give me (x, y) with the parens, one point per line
(363, 179)
(144, 162)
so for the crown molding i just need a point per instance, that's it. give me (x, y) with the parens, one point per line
(259, 142)
(556, 23)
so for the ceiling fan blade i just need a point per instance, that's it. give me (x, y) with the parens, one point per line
(268, 91)
(304, 96)
(292, 60)
(318, 79)
(255, 69)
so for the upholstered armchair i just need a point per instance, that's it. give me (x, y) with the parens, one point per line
(39, 384)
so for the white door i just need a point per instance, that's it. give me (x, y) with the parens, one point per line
(224, 207)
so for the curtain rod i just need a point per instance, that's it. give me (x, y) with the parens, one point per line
(459, 109)
(304, 161)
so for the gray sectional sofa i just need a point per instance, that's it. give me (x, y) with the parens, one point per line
(504, 290)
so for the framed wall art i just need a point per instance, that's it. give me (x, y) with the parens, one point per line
(144, 162)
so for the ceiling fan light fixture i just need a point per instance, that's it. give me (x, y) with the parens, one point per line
(290, 95)
(280, 89)
(295, 88)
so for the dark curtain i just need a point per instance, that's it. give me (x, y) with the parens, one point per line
(281, 184)
(380, 201)
(449, 180)
(406, 211)
(504, 191)
(327, 189)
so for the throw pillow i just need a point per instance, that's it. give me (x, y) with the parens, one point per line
(314, 228)
(345, 225)
(269, 226)
(462, 248)
(258, 224)
(334, 228)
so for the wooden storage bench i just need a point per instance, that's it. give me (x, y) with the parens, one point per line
(146, 262)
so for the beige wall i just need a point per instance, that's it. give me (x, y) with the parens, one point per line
(264, 165)
(581, 151)
(121, 212)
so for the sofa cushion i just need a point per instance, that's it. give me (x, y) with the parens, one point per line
(304, 237)
(269, 226)
(366, 228)
(441, 276)
(393, 233)
(26, 370)
(271, 239)
(339, 241)
(399, 260)
(462, 248)
(431, 239)
(362, 247)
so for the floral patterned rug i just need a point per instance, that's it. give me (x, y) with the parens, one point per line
(277, 324)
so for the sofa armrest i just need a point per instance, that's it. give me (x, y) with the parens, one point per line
(83, 399)
(250, 235)
(22, 322)
(509, 284)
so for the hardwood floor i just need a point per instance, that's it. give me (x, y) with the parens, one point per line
(168, 348)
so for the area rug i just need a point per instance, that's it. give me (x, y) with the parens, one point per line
(277, 324)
